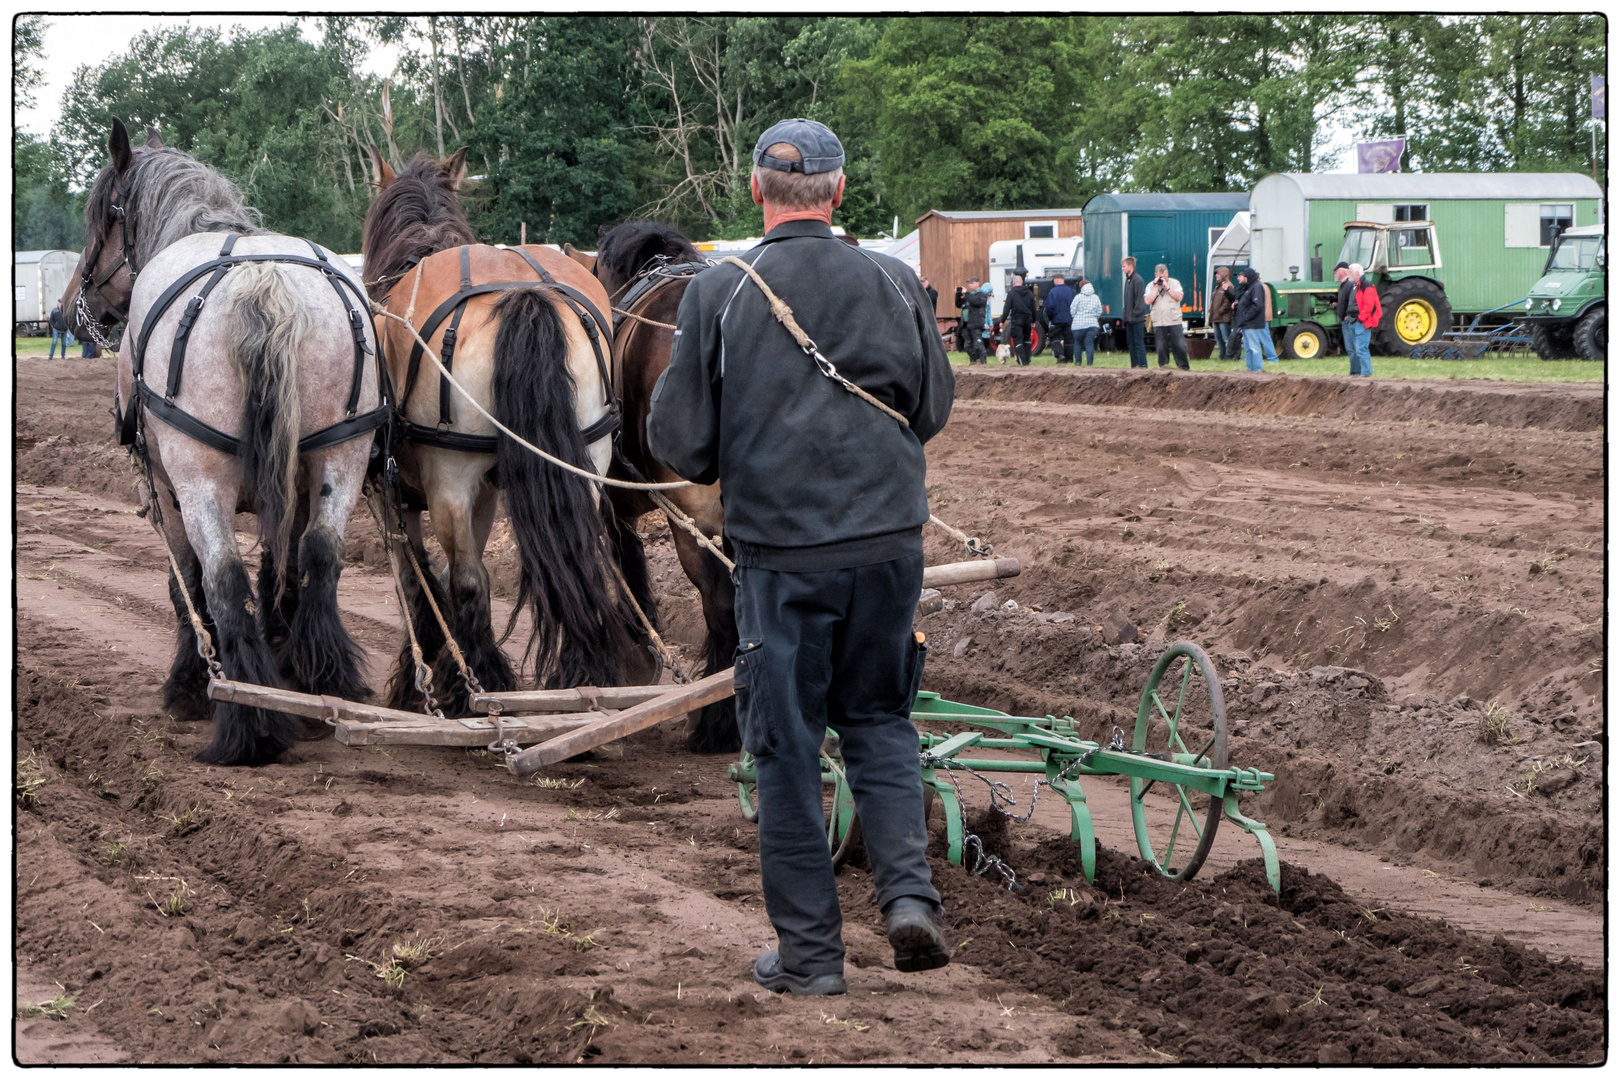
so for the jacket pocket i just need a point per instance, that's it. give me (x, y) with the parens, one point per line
(750, 679)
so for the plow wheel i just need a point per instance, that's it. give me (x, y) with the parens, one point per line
(837, 802)
(1182, 716)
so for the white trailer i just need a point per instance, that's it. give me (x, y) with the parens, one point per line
(1041, 258)
(39, 280)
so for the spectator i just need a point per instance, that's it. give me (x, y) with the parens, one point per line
(1249, 318)
(974, 303)
(1344, 306)
(1083, 314)
(59, 332)
(1133, 310)
(1058, 320)
(1163, 296)
(1220, 310)
(1019, 313)
(933, 294)
(1369, 311)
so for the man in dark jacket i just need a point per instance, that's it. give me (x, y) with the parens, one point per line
(824, 503)
(933, 294)
(1018, 316)
(59, 332)
(1249, 319)
(1058, 320)
(975, 306)
(1133, 311)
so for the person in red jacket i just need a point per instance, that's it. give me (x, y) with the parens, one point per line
(1358, 328)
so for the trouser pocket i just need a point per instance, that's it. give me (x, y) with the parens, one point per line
(750, 680)
(919, 657)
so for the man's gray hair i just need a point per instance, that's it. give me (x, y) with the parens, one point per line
(1356, 270)
(792, 190)
(1161, 266)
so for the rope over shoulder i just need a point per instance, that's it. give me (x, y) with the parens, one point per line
(784, 315)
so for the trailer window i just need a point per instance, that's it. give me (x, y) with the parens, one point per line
(1045, 230)
(1555, 218)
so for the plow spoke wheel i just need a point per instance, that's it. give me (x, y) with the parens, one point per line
(1175, 825)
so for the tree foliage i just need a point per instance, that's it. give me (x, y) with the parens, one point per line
(575, 122)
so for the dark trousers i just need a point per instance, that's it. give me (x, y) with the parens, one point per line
(1059, 335)
(972, 344)
(1136, 342)
(831, 649)
(1018, 336)
(1171, 339)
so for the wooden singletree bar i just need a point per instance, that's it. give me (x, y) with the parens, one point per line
(678, 701)
(960, 573)
(577, 699)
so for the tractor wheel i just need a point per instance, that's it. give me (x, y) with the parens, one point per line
(1037, 340)
(1415, 312)
(1305, 341)
(1552, 342)
(1592, 335)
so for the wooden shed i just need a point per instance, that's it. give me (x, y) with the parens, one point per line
(956, 243)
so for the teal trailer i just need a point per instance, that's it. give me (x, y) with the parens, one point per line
(1494, 229)
(1176, 230)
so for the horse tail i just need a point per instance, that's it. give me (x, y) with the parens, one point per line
(268, 327)
(581, 617)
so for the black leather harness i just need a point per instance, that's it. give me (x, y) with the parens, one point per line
(144, 398)
(453, 308)
(651, 281)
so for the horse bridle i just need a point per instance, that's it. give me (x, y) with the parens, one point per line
(118, 213)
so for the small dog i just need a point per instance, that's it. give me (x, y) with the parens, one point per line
(1004, 353)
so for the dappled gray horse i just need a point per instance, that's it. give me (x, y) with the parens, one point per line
(247, 382)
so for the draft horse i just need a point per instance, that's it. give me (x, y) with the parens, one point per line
(247, 383)
(645, 267)
(524, 330)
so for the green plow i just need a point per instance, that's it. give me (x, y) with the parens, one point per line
(1178, 795)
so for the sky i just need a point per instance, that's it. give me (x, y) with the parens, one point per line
(72, 41)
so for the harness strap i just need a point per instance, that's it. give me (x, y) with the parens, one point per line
(587, 314)
(331, 435)
(357, 327)
(188, 318)
(447, 350)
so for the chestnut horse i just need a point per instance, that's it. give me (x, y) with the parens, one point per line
(637, 256)
(259, 393)
(519, 340)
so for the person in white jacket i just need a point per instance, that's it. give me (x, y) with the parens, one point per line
(1085, 308)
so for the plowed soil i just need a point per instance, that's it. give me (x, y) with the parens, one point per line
(1403, 593)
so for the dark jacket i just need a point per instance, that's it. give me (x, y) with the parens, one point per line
(1220, 303)
(1345, 307)
(975, 306)
(812, 477)
(1250, 310)
(57, 321)
(933, 298)
(1133, 307)
(1057, 304)
(1020, 306)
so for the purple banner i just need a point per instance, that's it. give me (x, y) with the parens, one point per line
(1600, 98)
(1374, 157)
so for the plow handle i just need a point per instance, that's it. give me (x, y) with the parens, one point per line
(974, 570)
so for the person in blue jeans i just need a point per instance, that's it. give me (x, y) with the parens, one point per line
(1133, 311)
(1083, 314)
(59, 332)
(1249, 318)
(1358, 329)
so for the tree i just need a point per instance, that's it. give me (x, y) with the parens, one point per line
(955, 124)
(27, 58)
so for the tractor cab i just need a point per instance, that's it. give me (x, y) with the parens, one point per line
(1565, 311)
(1398, 257)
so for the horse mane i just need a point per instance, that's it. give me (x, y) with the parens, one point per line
(171, 195)
(416, 215)
(624, 251)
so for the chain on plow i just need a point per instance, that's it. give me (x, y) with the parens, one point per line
(1001, 798)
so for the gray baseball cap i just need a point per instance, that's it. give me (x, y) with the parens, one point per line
(820, 148)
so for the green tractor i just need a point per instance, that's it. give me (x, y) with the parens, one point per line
(1567, 315)
(1401, 259)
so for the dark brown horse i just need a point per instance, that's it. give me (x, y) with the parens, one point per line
(641, 347)
(517, 342)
